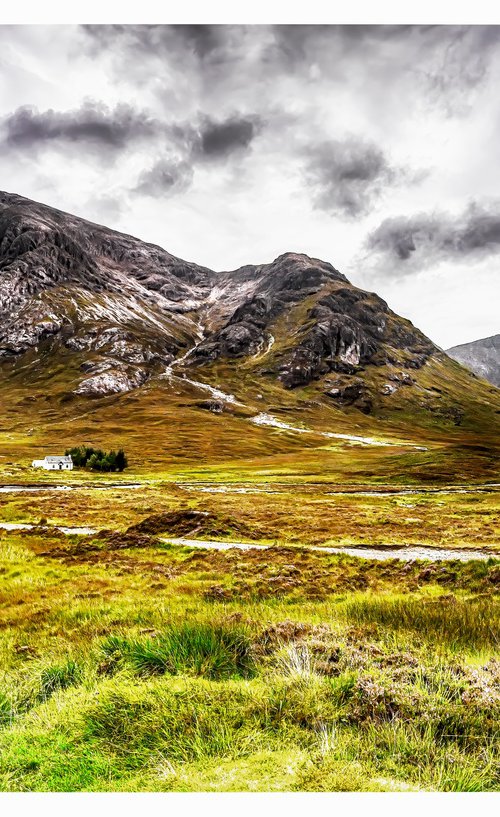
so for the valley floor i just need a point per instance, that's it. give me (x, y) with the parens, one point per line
(129, 663)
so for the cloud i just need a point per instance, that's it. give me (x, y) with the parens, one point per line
(166, 176)
(93, 124)
(209, 140)
(203, 39)
(457, 69)
(175, 41)
(219, 139)
(406, 244)
(108, 132)
(449, 63)
(347, 177)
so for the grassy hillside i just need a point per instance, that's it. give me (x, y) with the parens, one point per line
(164, 424)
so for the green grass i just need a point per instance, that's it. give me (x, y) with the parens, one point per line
(202, 649)
(118, 673)
(59, 677)
(153, 668)
(457, 623)
(167, 734)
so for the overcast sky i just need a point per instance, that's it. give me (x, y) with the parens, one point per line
(374, 148)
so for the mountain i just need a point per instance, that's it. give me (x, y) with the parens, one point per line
(106, 338)
(480, 356)
(133, 309)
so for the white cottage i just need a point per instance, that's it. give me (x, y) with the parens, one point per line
(64, 463)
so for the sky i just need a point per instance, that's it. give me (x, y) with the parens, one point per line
(375, 148)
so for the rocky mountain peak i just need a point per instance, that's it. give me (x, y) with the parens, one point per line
(128, 309)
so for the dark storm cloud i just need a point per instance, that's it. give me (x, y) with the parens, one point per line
(402, 245)
(347, 177)
(165, 177)
(449, 63)
(92, 124)
(218, 139)
(210, 141)
(154, 40)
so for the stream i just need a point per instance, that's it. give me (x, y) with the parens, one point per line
(403, 554)
(15, 489)
(81, 531)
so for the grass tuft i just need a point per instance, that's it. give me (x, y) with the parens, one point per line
(211, 651)
(57, 677)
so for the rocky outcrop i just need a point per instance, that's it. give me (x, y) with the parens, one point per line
(401, 379)
(336, 342)
(108, 379)
(353, 392)
(351, 328)
(215, 406)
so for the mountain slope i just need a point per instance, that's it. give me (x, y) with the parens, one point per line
(106, 339)
(480, 356)
(126, 304)
(133, 308)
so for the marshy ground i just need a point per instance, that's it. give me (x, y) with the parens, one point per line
(130, 664)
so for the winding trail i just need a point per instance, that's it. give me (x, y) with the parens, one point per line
(265, 419)
(197, 384)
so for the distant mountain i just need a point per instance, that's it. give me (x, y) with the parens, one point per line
(480, 356)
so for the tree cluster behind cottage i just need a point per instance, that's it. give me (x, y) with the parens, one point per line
(95, 459)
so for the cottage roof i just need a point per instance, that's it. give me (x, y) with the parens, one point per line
(62, 458)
